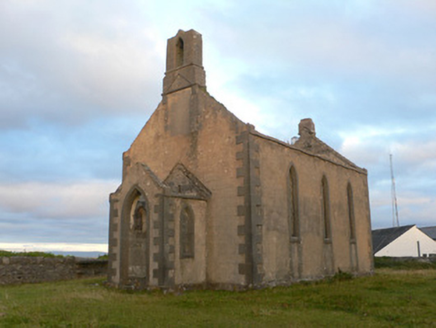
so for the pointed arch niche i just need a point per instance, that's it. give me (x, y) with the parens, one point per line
(187, 232)
(294, 220)
(326, 209)
(328, 257)
(295, 247)
(135, 239)
(180, 49)
(352, 226)
(351, 219)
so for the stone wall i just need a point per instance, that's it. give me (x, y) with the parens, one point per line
(242, 236)
(20, 269)
(312, 253)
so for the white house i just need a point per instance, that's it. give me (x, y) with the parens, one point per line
(402, 242)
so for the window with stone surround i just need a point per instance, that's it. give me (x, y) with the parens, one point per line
(179, 52)
(294, 224)
(351, 213)
(187, 232)
(326, 209)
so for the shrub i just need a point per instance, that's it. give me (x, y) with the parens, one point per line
(27, 254)
(341, 276)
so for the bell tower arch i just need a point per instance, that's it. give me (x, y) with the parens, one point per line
(184, 67)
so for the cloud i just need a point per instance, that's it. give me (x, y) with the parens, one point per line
(60, 201)
(53, 247)
(60, 66)
(78, 80)
(413, 153)
(52, 152)
(421, 154)
(25, 228)
(34, 212)
(414, 207)
(335, 62)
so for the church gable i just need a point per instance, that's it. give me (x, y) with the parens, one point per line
(185, 184)
(140, 175)
(318, 147)
(310, 143)
(167, 231)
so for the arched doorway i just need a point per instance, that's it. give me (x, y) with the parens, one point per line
(135, 240)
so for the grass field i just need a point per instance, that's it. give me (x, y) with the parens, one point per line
(390, 298)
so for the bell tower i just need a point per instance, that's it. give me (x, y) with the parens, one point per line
(184, 66)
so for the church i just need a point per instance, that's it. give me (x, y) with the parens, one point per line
(206, 201)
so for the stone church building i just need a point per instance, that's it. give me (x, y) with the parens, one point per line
(207, 201)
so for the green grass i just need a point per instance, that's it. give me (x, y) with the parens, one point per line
(27, 254)
(390, 298)
(403, 264)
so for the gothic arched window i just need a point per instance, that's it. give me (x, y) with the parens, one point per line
(139, 216)
(351, 213)
(187, 235)
(326, 208)
(294, 223)
(179, 52)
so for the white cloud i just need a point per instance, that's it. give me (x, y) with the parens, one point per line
(364, 70)
(114, 73)
(79, 200)
(421, 153)
(63, 65)
(53, 247)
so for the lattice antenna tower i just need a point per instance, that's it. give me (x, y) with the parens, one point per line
(395, 220)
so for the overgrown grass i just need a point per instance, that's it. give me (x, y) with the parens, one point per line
(29, 254)
(403, 264)
(390, 298)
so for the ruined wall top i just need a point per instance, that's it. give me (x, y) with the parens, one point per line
(186, 48)
(184, 66)
(306, 127)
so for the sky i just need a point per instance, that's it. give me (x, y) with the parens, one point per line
(79, 79)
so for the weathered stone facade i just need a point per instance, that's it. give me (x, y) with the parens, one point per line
(208, 201)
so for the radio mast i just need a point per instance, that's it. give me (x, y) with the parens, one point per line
(395, 221)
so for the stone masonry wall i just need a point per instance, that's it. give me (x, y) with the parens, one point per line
(17, 270)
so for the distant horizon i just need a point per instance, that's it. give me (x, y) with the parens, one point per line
(71, 249)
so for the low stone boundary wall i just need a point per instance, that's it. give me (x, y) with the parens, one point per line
(21, 269)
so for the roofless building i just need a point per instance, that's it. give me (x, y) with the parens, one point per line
(208, 201)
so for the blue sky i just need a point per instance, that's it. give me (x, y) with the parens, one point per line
(79, 79)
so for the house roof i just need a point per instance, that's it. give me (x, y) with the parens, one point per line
(383, 237)
(429, 231)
